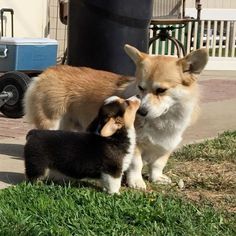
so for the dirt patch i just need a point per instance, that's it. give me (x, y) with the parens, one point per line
(220, 200)
(211, 183)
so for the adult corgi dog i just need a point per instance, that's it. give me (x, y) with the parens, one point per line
(67, 98)
(105, 155)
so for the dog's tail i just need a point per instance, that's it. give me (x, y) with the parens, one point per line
(38, 108)
(33, 109)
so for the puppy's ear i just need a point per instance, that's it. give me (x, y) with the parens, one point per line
(194, 62)
(110, 128)
(134, 53)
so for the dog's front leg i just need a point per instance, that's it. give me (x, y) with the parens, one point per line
(67, 123)
(156, 169)
(134, 173)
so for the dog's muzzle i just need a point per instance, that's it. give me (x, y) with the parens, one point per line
(142, 111)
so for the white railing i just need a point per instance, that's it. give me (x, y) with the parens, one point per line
(219, 37)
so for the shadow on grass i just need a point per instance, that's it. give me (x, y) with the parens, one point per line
(17, 178)
(90, 184)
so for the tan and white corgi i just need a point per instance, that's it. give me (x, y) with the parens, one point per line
(68, 98)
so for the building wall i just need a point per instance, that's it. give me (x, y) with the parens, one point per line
(213, 9)
(30, 18)
(57, 30)
(223, 4)
(35, 19)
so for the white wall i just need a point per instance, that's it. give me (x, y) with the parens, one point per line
(223, 4)
(221, 63)
(213, 9)
(30, 17)
(213, 13)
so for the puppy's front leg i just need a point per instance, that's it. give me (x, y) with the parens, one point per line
(110, 183)
(134, 173)
(156, 169)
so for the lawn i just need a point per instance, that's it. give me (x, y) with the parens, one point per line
(204, 205)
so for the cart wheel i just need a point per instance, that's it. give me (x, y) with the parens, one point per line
(16, 83)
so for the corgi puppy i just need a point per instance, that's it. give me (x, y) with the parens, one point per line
(68, 98)
(105, 155)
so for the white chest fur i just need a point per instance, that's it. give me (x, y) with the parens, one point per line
(128, 157)
(163, 134)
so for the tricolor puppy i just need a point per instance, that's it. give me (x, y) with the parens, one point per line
(66, 97)
(87, 155)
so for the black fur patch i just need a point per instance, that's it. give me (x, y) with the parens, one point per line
(77, 155)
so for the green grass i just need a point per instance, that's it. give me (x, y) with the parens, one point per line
(222, 148)
(57, 210)
(51, 209)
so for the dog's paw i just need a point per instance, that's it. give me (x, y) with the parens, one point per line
(137, 183)
(113, 193)
(161, 179)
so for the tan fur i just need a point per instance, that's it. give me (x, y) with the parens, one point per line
(166, 72)
(72, 96)
(129, 115)
(66, 89)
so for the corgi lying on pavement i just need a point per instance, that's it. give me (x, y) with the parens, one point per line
(67, 98)
(87, 155)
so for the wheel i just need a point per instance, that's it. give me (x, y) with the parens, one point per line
(15, 82)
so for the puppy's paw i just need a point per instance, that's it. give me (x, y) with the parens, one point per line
(137, 183)
(113, 193)
(161, 179)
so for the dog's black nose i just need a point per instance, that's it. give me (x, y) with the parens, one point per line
(138, 96)
(142, 111)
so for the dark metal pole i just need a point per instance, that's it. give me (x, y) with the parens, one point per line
(1, 12)
(12, 23)
(199, 8)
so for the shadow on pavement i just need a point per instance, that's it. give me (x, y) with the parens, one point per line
(11, 177)
(15, 150)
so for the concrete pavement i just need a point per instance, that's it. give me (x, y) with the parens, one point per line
(217, 106)
(11, 161)
(218, 114)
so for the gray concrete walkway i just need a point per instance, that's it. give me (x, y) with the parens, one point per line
(218, 114)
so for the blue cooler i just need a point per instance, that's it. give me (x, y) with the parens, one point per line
(27, 54)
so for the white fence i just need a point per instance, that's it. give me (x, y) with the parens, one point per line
(217, 36)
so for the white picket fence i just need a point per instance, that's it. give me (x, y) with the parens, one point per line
(219, 37)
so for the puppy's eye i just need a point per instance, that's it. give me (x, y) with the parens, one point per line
(141, 88)
(160, 90)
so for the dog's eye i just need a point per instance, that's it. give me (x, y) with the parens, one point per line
(141, 88)
(160, 90)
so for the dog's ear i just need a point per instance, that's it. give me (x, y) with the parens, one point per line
(194, 62)
(134, 53)
(110, 128)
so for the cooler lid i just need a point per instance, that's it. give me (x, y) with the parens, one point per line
(27, 41)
